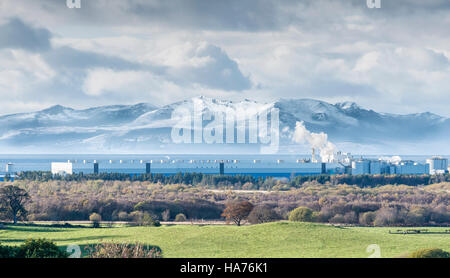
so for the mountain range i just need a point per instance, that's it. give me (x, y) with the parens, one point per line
(146, 128)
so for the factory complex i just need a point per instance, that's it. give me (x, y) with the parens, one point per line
(341, 163)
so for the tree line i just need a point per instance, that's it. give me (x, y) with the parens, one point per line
(59, 200)
(244, 181)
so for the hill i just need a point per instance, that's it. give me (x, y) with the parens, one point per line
(145, 128)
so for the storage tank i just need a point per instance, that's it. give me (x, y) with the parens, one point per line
(10, 168)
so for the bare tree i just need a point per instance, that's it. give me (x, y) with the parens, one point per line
(166, 215)
(237, 211)
(12, 202)
(262, 214)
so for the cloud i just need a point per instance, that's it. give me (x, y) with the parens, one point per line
(140, 86)
(18, 35)
(191, 14)
(101, 81)
(231, 15)
(367, 61)
(66, 71)
(210, 15)
(389, 59)
(20, 73)
(69, 58)
(184, 63)
(30, 64)
(209, 65)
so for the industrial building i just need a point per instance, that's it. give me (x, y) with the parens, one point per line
(274, 167)
(361, 167)
(256, 168)
(410, 167)
(369, 167)
(62, 168)
(377, 167)
(278, 168)
(438, 165)
(9, 174)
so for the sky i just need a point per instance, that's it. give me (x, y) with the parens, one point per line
(393, 59)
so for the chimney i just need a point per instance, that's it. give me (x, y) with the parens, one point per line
(313, 159)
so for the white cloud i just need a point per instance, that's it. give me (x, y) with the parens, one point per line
(331, 50)
(139, 86)
(187, 63)
(20, 72)
(11, 81)
(102, 81)
(31, 64)
(367, 61)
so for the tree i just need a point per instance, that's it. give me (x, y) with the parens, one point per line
(7, 252)
(141, 218)
(237, 211)
(180, 217)
(367, 218)
(302, 214)
(95, 218)
(33, 248)
(388, 216)
(166, 215)
(40, 248)
(429, 253)
(12, 202)
(123, 250)
(262, 214)
(123, 216)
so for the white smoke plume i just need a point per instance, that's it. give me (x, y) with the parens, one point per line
(318, 141)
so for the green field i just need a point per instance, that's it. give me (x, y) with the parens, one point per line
(273, 240)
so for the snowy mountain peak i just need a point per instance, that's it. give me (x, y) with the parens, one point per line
(209, 100)
(428, 115)
(348, 105)
(214, 103)
(56, 109)
(146, 128)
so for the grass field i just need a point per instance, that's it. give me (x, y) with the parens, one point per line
(272, 240)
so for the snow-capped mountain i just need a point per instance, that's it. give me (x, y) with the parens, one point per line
(144, 128)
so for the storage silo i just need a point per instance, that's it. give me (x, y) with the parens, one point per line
(10, 168)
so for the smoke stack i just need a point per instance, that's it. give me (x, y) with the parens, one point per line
(317, 141)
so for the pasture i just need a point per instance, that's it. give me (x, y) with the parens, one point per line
(271, 240)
